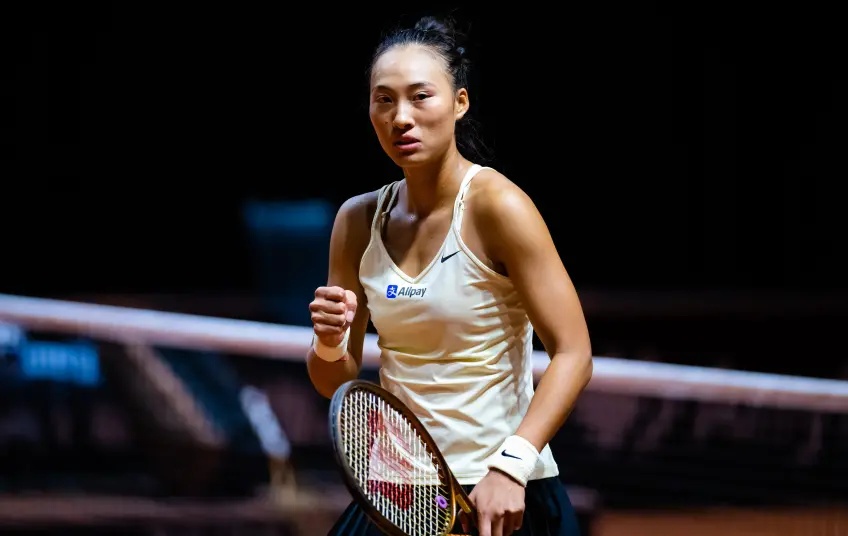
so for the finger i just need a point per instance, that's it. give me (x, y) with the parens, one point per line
(330, 293)
(472, 516)
(322, 329)
(329, 335)
(327, 306)
(513, 524)
(350, 304)
(320, 317)
(517, 520)
(497, 526)
(463, 520)
(484, 524)
(507, 524)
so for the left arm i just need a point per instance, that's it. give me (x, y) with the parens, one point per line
(515, 236)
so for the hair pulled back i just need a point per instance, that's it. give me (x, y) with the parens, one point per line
(442, 38)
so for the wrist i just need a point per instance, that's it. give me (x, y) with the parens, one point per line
(516, 458)
(330, 353)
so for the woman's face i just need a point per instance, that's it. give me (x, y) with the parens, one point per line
(413, 107)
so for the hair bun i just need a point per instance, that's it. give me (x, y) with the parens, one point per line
(433, 24)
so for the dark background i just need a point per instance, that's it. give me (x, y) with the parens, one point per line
(688, 158)
(685, 147)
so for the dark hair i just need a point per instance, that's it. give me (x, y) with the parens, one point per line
(442, 38)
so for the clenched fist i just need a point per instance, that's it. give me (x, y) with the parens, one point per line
(332, 311)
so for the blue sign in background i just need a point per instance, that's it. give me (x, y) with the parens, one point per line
(60, 361)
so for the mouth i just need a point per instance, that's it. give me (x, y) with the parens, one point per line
(407, 143)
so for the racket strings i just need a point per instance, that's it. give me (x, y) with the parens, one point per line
(393, 466)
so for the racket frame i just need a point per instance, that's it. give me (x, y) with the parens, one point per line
(459, 498)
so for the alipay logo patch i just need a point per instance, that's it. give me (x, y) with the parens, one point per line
(392, 292)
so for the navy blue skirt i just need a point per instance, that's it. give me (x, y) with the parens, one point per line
(547, 512)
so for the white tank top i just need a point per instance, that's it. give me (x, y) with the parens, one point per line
(456, 345)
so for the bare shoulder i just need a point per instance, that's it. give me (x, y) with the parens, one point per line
(357, 212)
(506, 221)
(352, 228)
(494, 199)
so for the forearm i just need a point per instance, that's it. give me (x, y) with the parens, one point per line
(555, 397)
(327, 377)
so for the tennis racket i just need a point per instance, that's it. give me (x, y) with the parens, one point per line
(391, 465)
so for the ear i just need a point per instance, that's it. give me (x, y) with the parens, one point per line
(462, 103)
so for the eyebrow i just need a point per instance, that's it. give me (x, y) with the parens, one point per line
(415, 85)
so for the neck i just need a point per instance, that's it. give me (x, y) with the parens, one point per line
(433, 185)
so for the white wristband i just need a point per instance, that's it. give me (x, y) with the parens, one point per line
(517, 457)
(330, 353)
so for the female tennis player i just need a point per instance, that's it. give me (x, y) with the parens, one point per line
(455, 267)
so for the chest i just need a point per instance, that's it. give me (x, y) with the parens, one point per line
(445, 302)
(412, 243)
(454, 304)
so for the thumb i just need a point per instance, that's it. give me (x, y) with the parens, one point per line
(350, 305)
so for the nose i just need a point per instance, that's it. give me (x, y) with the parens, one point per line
(403, 116)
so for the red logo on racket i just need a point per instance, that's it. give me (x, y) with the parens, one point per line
(402, 495)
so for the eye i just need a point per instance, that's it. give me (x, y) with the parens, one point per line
(422, 96)
(382, 99)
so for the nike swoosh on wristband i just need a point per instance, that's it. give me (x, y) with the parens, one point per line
(503, 453)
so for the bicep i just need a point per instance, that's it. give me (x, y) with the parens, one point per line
(523, 244)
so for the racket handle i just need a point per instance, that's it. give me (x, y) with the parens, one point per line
(463, 501)
(464, 504)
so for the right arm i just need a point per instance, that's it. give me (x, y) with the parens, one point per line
(343, 297)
